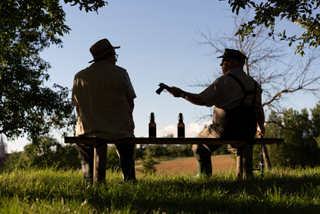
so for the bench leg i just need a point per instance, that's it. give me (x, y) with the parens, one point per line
(247, 161)
(266, 157)
(100, 162)
(239, 163)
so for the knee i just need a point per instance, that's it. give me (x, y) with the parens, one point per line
(195, 148)
(200, 149)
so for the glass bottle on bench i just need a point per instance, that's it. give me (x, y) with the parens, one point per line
(181, 130)
(152, 127)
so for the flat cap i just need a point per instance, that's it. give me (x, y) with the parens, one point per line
(234, 54)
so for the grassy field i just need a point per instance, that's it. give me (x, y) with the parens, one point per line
(52, 191)
(174, 166)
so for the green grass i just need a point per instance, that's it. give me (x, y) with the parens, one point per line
(53, 191)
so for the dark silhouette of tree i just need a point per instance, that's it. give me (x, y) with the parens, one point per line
(300, 147)
(27, 107)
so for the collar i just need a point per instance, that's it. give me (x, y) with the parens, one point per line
(235, 71)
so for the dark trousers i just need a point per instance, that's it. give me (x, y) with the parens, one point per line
(126, 157)
(202, 154)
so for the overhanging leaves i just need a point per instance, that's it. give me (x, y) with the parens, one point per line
(27, 27)
(301, 12)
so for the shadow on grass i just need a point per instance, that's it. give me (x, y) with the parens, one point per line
(277, 194)
(290, 191)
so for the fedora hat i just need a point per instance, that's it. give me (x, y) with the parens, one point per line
(100, 48)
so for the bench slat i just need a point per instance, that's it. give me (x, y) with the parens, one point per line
(209, 141)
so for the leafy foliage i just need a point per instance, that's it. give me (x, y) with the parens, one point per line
(112, 158)
(300, 134)
(302, 13)
(223, 150)
(16, 160)
(164, 150)
(48, 153)
(148, 163)
(27, 28)
(88, 5)
(161, 151)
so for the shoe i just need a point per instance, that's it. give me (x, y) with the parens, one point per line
(205, 169)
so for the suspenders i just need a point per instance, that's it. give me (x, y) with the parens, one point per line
(244, 90)
(240, 121)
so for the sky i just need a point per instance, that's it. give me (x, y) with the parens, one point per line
(158, 42)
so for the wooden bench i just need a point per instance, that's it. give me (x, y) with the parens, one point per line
(100, 155)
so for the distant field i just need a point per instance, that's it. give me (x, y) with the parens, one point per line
(222, 163)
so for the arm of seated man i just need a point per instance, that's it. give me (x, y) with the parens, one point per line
(192, 98)
(261, 119)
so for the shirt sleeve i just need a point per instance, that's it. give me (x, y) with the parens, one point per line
(73, 100)
(212, 94)
(258, 95)
(128, 88)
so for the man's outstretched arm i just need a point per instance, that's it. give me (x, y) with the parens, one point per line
(192, 98)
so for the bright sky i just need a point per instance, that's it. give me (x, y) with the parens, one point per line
(157, 40)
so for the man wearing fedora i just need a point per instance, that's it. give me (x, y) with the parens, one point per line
(104, 99)
(238, 113)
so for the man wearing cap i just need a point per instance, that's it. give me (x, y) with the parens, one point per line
(238, 113)
(104, 99)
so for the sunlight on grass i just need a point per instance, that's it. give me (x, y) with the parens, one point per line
(58, 191)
